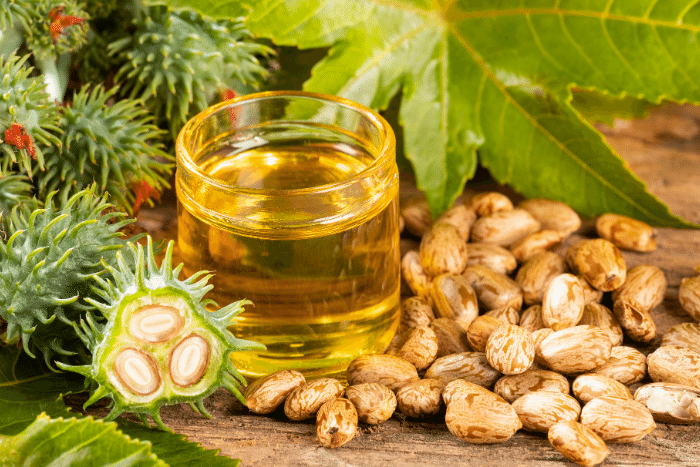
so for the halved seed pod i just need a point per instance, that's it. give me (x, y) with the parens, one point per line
(617, 420)
(578, 443)
(600, 316)
(599, 262)
(535, 274)
(415, 311)
(539, 410)
(461, 217)
(336, 423)
(494, 257)
(493, 290)
(626, 232)
(671, 403)
(304, 401)
(552, 215)
(504, 227)
(189, 360)
(375, 403)
(442, 250)
(575, 350)
(137, 371)
(264, 395)
(590, 385)
(510, 349)
(678, 365)
(531, 318)
(460, 389)
(454, 298)
(562, 303)
(155, 323)
(484, 204)
(683, 335)
(470, 366)
(537, 243)
(689, 296)
(626, 365)
(416, 215)
(480, 330)
(451, 337)
(420, 399)
(412, 272)
(420, 347)
(482, 420)
(511, 387)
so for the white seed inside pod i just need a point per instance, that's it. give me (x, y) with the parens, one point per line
(155, 323)
(189, 361)
(137, 371)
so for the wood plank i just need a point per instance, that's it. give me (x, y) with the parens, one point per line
(663, 150)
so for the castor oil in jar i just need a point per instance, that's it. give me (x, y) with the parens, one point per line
(290, 199)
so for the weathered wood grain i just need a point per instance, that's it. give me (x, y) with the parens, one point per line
(664, 151)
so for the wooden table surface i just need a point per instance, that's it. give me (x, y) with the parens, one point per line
(663, 150)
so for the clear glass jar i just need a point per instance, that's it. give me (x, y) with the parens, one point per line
(291, 200)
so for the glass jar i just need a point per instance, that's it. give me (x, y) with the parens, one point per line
(291, 200)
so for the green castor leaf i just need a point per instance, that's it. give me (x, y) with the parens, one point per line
(179, 62)
(45, 270)
(160, 345)
(26, 116)
(57, 28)
(114, 146)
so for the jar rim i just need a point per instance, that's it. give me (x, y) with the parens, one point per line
(385, 152)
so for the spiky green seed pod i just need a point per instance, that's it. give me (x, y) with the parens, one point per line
(112, 145)
(57, 28)
(46, 267)
(14, 13)
(160, 345)
(179, 63)
(26, 116)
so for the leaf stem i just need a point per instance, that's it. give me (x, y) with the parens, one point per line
(55, 74)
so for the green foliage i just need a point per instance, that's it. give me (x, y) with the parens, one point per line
(45, 270)
(24, 102)
(179, 62)
(15, 189)
(57, 28)
(495, 78)
(605, 108)
(75, 443)
(14, 13)
(129, 291)
(111, 145)
(27, 389)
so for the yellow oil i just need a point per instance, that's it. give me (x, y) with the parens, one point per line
(320, 300)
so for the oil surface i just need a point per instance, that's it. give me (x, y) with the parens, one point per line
(319, 302)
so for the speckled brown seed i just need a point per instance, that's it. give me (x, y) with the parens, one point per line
(462, 217)
(454, 298)
(689, 296)
(420, 399)
(683, 335)
(539, 410)
(617, 420)
(531, 318)
(510, 349)
(264, 395)
(626, 365)
(576, 349)
(415, 311)
(460, 389)
(413, 274)
(494, 257)
(562, 303)
(578, 443)
(452, 338)
(487, 203)
(493, 290)
(600, 316)
(536, 273)
(442, 250)
(504, 228)
(388, 370)
(536, 243)
(506, 315)
(672, 364)
(480, 330)
(591, 385)
(482, 420)
(470, 366)
(420, 347)
(416, 215)
(336, 423)
(304, 401)
(375, 403)
(513, 386)
(553, 215)
(626, 232)
(643, 290)
(599, 262)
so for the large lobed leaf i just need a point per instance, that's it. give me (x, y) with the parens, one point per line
(495, 76)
